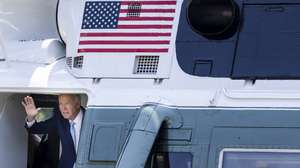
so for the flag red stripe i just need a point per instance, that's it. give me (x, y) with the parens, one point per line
(91, 50)
(150, 11)
(88, 42)
(124, 34)
(149, 2)
(146, 18)
(144, 26)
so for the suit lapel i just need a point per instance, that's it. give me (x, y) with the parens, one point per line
(66, 131)
(67, 135)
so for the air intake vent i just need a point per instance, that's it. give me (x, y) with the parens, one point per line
(134, 9)
(69, 62)
(78, 62)
(146, 64)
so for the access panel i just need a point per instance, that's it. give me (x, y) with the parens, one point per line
(269, 42)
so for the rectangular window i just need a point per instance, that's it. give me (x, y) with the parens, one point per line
(172, 160)
(259, 158)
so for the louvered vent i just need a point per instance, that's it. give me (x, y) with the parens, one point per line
(78, 62)
(69, 62)
(134, 9)
(146, 64)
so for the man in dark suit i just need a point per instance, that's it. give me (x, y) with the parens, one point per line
(67, 122)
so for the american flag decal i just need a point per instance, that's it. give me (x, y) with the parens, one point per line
(127, 26)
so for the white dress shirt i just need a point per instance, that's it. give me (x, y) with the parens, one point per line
(29, 124)
(78, 122)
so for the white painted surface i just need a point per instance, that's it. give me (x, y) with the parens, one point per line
(179, 89)
(40, 51)
(114, 64)
(28, 19)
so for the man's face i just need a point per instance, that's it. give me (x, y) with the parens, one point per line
(68, 106)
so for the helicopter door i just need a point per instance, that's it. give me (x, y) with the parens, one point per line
(43, 149)
(103, 134)
(268, 42)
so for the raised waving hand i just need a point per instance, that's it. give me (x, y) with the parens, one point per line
(30, 108)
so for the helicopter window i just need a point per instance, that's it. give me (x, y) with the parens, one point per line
(172, 160)
(261, 159)
(214, 19)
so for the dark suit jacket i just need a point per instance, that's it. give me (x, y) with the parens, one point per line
(68, 155)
